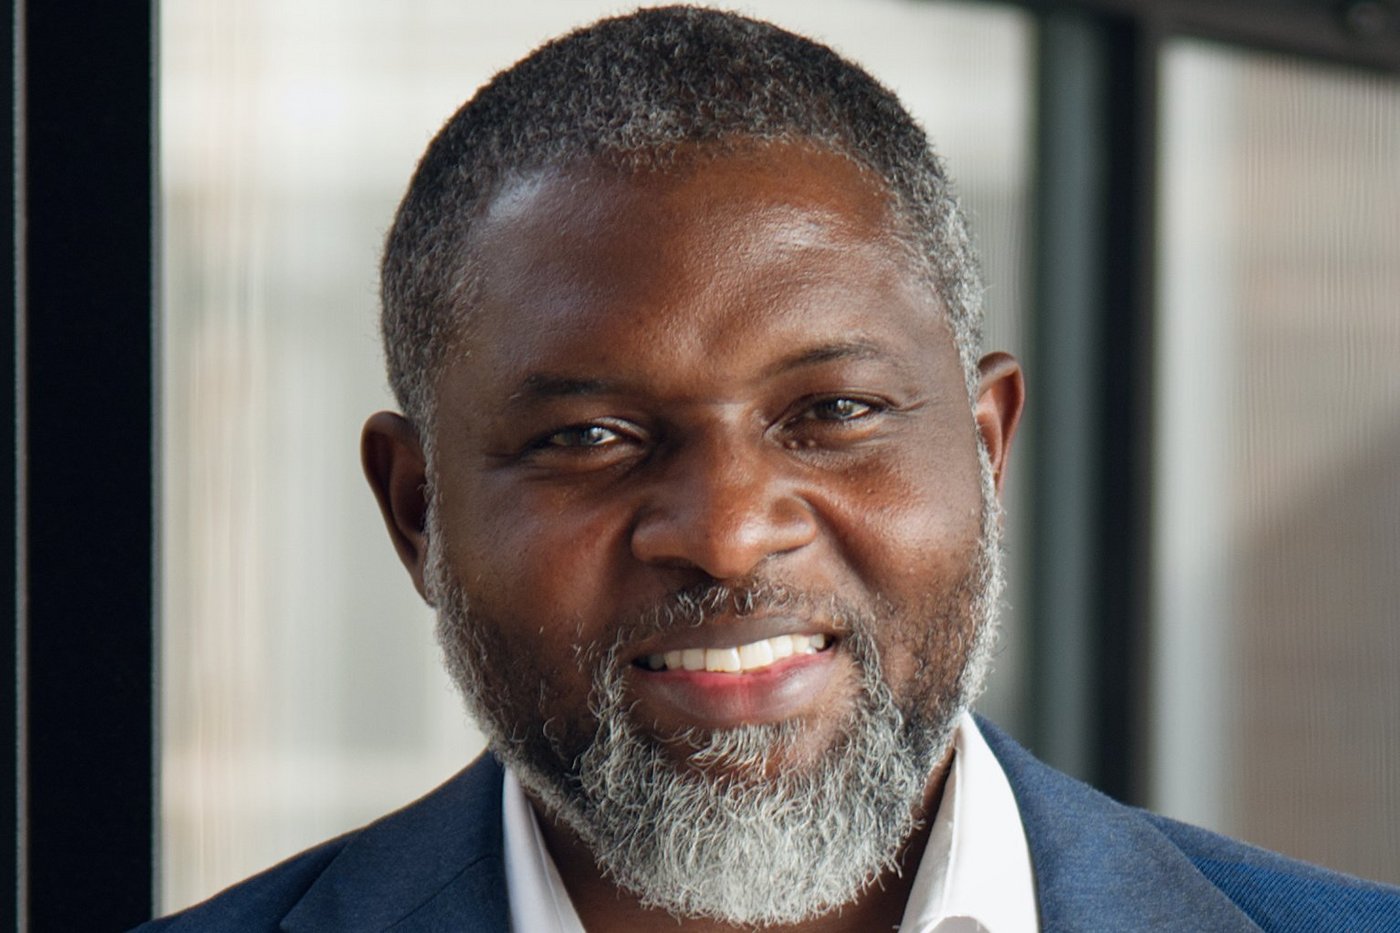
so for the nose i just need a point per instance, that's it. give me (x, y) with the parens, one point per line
(722, 509)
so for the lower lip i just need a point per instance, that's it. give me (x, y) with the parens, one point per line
(681, 699)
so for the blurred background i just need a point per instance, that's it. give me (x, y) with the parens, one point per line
(1189, 217)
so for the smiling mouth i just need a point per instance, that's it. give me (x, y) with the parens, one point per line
(738, 659)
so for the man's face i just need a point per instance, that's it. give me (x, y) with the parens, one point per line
(705, 465)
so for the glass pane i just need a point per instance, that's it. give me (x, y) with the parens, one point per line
(302, 693)
(1278, 504)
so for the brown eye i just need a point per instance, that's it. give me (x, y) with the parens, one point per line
(839, 409)
(583, 435)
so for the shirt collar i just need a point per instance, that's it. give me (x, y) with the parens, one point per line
(975, 874)
(539, 902)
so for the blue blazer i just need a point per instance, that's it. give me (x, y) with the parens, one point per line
(1099, 866)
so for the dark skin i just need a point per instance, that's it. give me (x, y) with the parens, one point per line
(722, 372)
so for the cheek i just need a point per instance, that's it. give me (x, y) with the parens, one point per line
(916, 523)
(519, 589)
(539, 567)
(917, 543)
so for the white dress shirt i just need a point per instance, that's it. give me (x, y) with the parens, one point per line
(974, 877)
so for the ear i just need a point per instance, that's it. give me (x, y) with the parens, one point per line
(1001, 392)
(397, 470)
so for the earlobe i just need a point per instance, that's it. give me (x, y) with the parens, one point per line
(1001, 393)
(392, 455)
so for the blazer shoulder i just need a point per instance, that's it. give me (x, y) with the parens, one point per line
(257, 903)
(1096, 857)
(1281, 893)
(456, 822)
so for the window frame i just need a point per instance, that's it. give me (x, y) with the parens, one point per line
(80, 690)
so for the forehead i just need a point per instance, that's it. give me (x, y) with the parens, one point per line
(779, 178)
(712, 254)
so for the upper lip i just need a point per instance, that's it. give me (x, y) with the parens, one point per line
(732, 631)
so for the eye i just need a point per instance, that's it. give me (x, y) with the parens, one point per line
(839, 409)
(584, 447)
(836, 422)
(580, 436)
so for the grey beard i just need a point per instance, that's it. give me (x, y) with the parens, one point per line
(732, 834)
(718, 823)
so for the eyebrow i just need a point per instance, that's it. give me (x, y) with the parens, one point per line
(539, 387)
(828, 353)
(542, 386)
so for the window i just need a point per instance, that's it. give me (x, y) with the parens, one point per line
(1278, 511)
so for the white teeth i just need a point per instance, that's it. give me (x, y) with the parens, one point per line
(722, 660)
(758, 654)
(750, 657)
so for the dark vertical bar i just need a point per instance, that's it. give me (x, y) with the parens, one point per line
(1090, 372)
(86, 516)
(9, 556)
(1128, 427)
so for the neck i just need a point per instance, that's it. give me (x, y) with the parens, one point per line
(602, 905)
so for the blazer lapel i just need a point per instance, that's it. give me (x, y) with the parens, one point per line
(1100, 865)
(434, 865)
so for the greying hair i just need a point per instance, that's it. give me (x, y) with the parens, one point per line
(633, 90)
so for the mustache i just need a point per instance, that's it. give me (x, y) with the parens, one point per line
(707, 601)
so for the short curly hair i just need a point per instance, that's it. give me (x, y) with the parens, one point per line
(631, 89)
